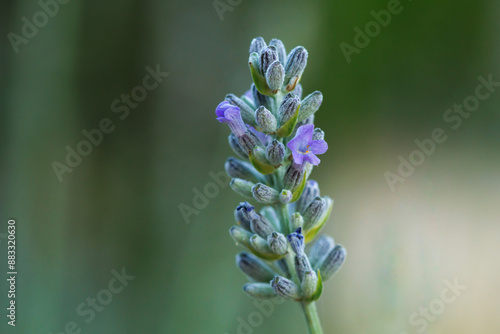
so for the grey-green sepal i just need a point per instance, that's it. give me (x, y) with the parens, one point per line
(310, 104)
(254, 268)
(295, 65)
(316, 215)
(242, 187)
(275, 152)
(265, 194)
(277, 243)
(243, 170)
(259, 290)
(296, 221)
(274, 76)
(309, 284)
(332, 263)
(285, 288)
(280, 49)
(320, 249)
(265, 120)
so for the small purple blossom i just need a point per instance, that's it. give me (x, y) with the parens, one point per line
(304, 148)
(227, 113)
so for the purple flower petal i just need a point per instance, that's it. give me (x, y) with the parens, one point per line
(319, 146)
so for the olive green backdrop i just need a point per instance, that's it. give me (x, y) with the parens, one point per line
(119, 207)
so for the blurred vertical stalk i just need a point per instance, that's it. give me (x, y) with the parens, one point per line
(312, 318)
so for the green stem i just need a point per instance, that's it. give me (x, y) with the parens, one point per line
(312, 318)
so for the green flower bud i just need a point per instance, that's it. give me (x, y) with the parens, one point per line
(296, 221)
(314, 211)
(309, 284)
(288, 107)
(293, 177)
(259, 290)
(266, 120)
(285, 288)
(310, 105)
(267, 57)
(302, 266)
(271, 215)
(248, 141)
(280, 49)
(247, 113)
(242, 187)
(240, 235)
(261, 246)
(253, 267)
(265, 194)
(277, 243)
(318, 134)
(320, 249)
(235, 146)
(257, 45)
(275, 152)
(332, 263)
(295, 65)
(275, 75)
(311, 191)
(242, 170)
(286, 196)
(261, 226)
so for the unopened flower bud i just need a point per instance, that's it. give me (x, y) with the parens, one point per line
(257, 45)
(262, 100)
(242, 187)
(296, 240)
(260, 245)
(240, 235)
(314, 211)
(320, 249)
(235, 146)
(288, 107)
(280, 49)
(285, 288)
(311, 191)
(265, 120)
(241, 169)
(259, 290)
(294, 175)
(265, 194)
(302, 266)
(332, 262)
(295, 65)
(261, 226)
(310, 104)
(296, 221)
(248, 141)
(275, 152)
(318, 134)
(253, 267)
(309, 284)
(277, 243)
(275, 75)
(243, 214)
(247, 113)
(285, 196)
(267, 57)
(271, 215)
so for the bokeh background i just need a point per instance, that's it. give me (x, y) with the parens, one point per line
(120, 206)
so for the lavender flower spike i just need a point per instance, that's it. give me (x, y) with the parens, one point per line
(273, 132)
(227, 113)
(304, 148)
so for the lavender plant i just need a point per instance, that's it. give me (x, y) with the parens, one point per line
(274, 138)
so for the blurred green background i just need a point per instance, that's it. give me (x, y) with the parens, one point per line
(120, 206)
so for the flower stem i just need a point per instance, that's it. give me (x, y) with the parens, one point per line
(312, 318)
